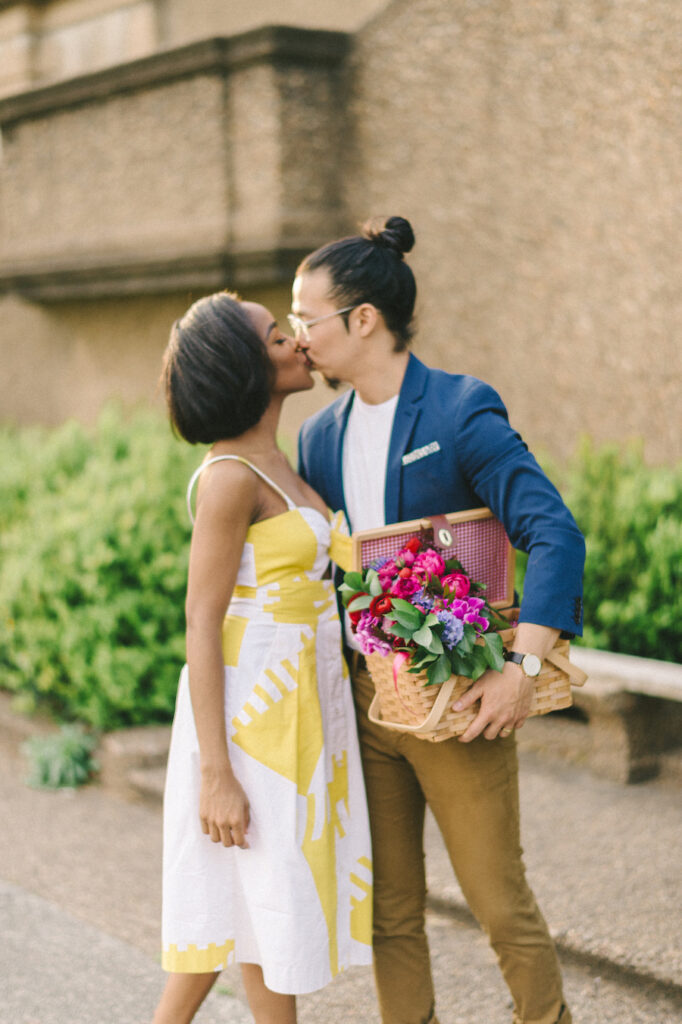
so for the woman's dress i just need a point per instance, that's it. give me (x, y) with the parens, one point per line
(298, 901)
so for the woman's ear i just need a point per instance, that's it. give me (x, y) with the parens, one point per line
(366, 318)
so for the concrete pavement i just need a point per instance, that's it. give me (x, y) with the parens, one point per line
(80, 899)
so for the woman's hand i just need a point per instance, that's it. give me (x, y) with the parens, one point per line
(223, 808)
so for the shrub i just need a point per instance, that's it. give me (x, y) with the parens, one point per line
(631, 515)
(93, 564)
(63, 759)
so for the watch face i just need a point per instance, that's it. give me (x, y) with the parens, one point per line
(531, 665)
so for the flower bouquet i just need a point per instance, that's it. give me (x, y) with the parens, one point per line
(427, 632)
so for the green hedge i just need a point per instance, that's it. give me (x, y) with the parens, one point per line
(631, 515)
(93, 562)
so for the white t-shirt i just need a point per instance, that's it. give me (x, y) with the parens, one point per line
(365, 454)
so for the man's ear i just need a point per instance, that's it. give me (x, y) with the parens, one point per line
(366, 317)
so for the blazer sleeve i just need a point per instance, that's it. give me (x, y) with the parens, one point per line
(508, 479)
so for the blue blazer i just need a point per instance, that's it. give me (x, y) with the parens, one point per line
(462, 453)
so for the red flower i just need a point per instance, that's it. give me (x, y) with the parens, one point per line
(354, 617)
(413, 545)
(380, 605)
(405, 573)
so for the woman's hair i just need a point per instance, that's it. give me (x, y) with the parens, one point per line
(216, 371)
(369, 267)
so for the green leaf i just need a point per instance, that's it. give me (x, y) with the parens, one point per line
(493, 649)
(354, 580)
(439, 671)
(375, 587)
(407, 614)
(423, 636)
(466, 644)
(360, 602)
(479, 662)
(436, 644)
(402, 631)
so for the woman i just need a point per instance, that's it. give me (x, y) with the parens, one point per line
(266, 842)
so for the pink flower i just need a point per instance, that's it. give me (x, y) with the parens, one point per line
(405, 587)
(387, 572)
(429, 563)
(457, 583)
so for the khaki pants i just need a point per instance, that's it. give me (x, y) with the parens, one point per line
(472, 790)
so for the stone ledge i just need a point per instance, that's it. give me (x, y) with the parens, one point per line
(624, 672)
(91, 277)
(632, 706)
(274, 43)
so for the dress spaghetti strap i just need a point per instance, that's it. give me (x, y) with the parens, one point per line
(233, 458)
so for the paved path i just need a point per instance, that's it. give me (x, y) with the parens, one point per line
(79, 898)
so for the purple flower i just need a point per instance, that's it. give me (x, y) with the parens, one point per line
(422, 599)
(365, 633)
(453, 628)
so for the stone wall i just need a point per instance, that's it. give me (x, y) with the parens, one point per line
(44, 41)
(535, 146)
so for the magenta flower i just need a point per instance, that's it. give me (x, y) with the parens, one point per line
(387, 572)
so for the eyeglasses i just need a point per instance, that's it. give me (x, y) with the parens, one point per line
(300, 327)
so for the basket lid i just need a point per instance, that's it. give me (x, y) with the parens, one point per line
(478, 540)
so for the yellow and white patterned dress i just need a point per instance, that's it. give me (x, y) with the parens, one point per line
(298, 901)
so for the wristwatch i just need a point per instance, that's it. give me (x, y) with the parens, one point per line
(530, 663)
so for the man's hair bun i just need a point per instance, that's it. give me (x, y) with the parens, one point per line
(395, 233)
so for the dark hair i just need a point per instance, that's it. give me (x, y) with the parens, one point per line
(216, 371)
(369, 267)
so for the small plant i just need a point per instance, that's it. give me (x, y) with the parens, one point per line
(62, 759)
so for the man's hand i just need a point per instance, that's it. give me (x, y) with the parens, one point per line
(505, 702)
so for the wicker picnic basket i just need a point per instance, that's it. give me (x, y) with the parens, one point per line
(402, 701)
(406, 704)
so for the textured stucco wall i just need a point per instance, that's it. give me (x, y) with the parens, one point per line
(138, 172)
(77, 355)
(534, 145)
(536, 149)
(43, 41)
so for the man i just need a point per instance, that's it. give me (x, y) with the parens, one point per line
(408, 441)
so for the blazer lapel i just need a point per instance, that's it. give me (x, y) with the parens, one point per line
(406, 415)
(334, 448)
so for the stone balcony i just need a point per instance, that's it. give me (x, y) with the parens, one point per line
(218, 160)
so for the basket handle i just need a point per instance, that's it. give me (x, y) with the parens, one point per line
(431, 720)
(575, 674)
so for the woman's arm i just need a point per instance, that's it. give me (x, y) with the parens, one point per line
(226, 505)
